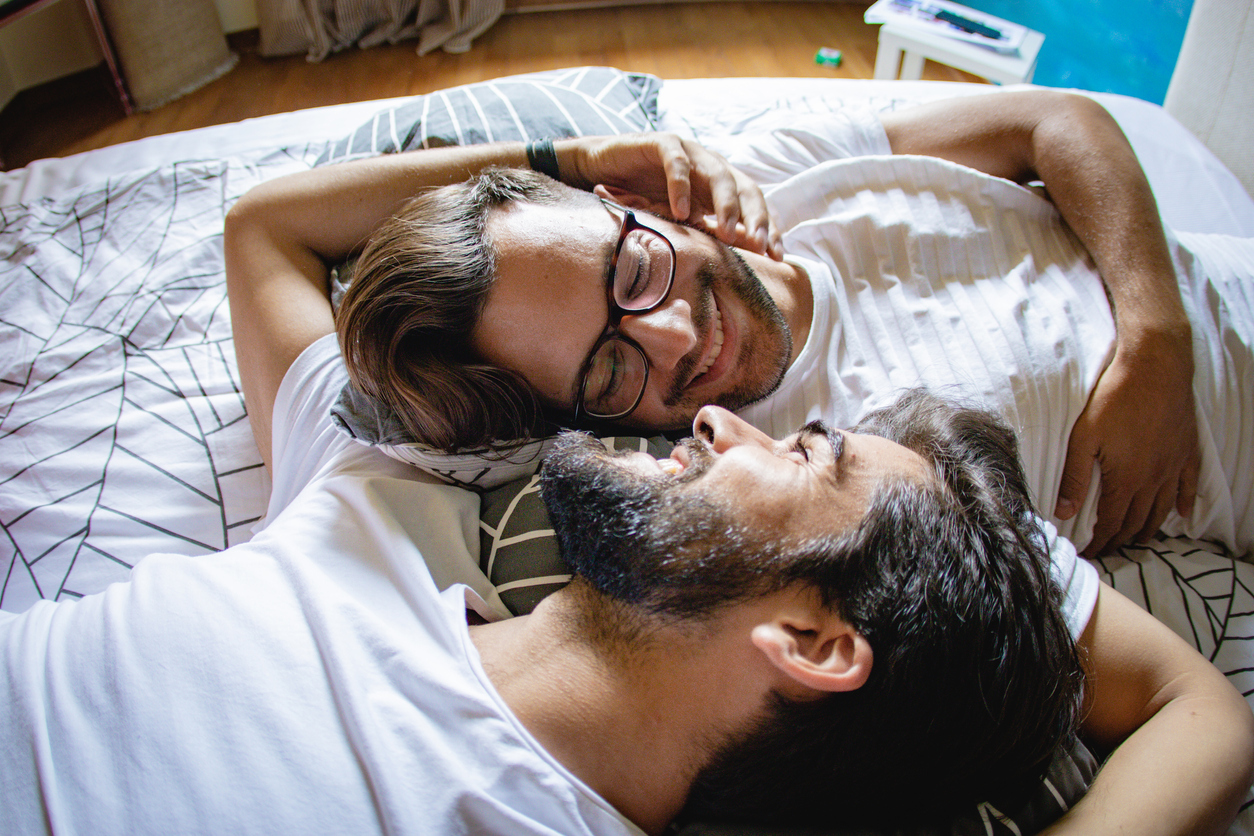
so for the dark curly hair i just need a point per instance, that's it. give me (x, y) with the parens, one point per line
(976, 678)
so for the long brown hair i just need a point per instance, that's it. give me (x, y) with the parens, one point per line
(416, 293)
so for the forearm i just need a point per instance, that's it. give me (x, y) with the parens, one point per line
(1072, 145)
(1182, 736)
(1186, 771)
(331, 210)
(1094, 178)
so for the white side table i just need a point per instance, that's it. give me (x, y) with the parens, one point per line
(918, 44)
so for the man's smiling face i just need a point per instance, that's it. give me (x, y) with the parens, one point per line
(718, 337)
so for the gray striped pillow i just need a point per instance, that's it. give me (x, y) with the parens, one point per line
(585, 101)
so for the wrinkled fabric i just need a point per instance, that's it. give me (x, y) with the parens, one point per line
(321, 27)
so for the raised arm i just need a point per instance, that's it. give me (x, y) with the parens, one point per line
(1183, 737)
(1139, 425)
(283, 236)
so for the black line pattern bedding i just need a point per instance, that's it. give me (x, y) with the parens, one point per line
(123, 431)
(1199, 591)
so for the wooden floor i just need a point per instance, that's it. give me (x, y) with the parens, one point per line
(676, 40)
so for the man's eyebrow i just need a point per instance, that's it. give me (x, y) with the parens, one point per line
(836, 439)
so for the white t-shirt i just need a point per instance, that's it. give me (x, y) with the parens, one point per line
(313, 680)
(307, 450)
(927, 272)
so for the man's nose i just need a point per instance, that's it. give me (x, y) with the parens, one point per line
(666, 333)
(723, 430)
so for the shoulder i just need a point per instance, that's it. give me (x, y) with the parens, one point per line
(1076, 578)
(771, 147)
(303, 438)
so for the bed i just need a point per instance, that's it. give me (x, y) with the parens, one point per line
(122, 428)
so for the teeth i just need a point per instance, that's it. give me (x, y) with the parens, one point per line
(669, 466)
(717, 348)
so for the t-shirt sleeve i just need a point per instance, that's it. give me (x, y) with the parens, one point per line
(779, 145)
(1077, 578)
(303, 438)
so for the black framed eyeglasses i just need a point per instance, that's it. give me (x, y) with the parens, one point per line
(642, 272)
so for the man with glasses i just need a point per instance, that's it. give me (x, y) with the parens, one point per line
(481, 314)
(560, 258)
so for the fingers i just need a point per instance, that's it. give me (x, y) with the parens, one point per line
(694, 184)
(726, 195)
(701, 183)
(1162, 506)
(1077, 471)
(1125, 511)
(1187, 496)
(761, 234)
(1111, 529)
(719, 179)
(678, 167)
(748, 223)
(1122, 519)
(767, 244)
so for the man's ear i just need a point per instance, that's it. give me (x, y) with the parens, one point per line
(628, 198)
(818, 650)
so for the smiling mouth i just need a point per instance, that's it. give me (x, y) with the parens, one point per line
(717, 344)
(670, 466)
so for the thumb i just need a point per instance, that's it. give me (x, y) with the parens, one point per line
(1077, 473)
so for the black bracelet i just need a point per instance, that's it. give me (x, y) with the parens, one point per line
(542, 157)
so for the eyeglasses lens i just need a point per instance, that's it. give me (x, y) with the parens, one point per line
(615, 379)
(643, 272)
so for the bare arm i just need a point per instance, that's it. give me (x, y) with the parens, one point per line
(1139, 425)
(283, 236)
(1183, 737)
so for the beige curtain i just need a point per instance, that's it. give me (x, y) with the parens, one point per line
(320, 27)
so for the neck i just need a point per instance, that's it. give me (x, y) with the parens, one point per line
(789, 287)
(634, 726)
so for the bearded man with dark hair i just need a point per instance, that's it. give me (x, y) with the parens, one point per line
(975, 680)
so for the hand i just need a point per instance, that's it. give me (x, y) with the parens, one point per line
(681, 174)
(1141, 426)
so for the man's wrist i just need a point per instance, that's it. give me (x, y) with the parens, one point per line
(1159, 329)
(1165, 351)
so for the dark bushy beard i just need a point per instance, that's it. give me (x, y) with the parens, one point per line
(643, 541)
